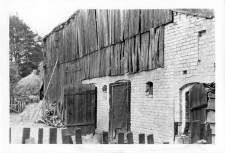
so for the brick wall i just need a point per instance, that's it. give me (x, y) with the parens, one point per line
(188, 46)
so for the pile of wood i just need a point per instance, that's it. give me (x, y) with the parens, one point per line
(50, 118)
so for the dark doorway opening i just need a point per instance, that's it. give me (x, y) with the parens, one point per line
(119, 111)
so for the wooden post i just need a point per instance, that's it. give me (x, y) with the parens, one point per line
(26, 134)
(130, 138)
(175, 129)
(53, 136)
(78, 136)
(40, 135)
(104, 137)
(67, 139)
(150, 139)
(29, 141)
(9, 135)
(195, 131)
(209, 135)
(186, 140)
(179, 140)
(142, 138)
(120, 138)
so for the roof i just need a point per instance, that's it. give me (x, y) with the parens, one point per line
(206, 13)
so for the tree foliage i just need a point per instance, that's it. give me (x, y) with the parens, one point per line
(25, 46)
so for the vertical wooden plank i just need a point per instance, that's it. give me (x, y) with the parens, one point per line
(141, 138)
(120, 138)
(67, 139)
(122, 58)
(145, 49)
(26, 134)
(78, 136)
(10, 135)
(161, 46)
(126, 18)
(104, 137)
(53, 136)
(40, 135)
(126, 56)
(130, 138)
(150, 139)
(108, 61)
(29, 141)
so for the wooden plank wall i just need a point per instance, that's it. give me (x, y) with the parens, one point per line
(96, 43)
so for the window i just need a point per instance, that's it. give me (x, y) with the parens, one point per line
(149, 88)
(104, 88)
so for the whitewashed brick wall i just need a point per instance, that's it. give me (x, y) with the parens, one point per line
(184, 50)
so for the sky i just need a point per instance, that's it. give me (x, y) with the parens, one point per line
(42, 16)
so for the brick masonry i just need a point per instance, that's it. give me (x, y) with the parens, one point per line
(189, 45)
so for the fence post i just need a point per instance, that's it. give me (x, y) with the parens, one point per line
(120, 138)
(53, 136)
(40, 135)
(141, 138)
(130, 138)
(150, 139)
(209, 135)
(67, 139)
(26, 134)
(9, 135)
(104, 137)
(29, 141)
(78, 136)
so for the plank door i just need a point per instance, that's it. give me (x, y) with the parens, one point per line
(119, 112)
(81, 104)
(198, 105)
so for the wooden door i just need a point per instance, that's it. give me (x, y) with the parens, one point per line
(198, 105)
(81, 104)
(119, 112)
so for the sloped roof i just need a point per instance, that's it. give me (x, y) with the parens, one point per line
(206, 13)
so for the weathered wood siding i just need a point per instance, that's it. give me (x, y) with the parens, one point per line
(96, 43)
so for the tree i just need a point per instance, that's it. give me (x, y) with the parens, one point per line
(25, 46)
(14, 75)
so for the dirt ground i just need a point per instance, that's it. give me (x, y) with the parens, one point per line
(17, 128)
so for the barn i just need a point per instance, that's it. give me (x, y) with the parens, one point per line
(132, 70)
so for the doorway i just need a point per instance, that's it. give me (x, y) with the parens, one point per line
(119, 107)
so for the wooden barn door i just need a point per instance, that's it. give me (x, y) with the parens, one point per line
(119, 112)
(198, 105)
(81, 101)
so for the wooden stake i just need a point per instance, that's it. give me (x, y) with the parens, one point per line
(104, 137)
(120, 138)
(26, 134)
(150, 139)
(78, 136)
(142, 138)
(40, 135)
(29, 141)
(9, 135)
(130, 138)
(67, 139)
(53, 136)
